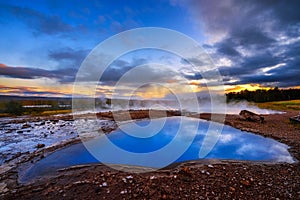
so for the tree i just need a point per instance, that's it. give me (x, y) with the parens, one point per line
(14, 107)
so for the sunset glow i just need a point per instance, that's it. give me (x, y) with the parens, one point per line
(43, 45)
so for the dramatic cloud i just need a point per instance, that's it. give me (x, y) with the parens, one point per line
(63, 75)
(28, 91)
(253, 35)
(37, 21)
(68, 57)
(251, 42)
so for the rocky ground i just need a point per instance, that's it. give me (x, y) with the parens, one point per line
(203, 179)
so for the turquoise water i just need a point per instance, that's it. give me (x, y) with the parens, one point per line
(231, 144)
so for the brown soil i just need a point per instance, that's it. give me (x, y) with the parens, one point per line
(203, 179)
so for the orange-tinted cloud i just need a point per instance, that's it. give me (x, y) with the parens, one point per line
(250, 87)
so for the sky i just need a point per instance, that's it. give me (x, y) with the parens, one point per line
(253, 43)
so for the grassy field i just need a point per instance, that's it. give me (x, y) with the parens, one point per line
(281, 105)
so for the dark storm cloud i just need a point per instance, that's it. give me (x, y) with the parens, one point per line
(234, 15)
(250, 65)
(254, 35)
(227, 48)
(63, 75)
(250, 36)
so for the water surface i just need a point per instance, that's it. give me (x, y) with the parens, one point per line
(232, 144)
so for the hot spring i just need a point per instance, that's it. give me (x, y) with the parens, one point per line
(232, 144)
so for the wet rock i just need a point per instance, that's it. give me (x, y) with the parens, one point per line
(26, 126)
(3, 188)
(40, 145)
(42, 123)
(54, 121)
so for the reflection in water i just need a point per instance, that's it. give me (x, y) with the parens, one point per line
(232, 144)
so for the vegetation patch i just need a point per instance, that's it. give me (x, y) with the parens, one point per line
(281, 105)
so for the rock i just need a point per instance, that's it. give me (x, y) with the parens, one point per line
(42, 123)
(250, 116)
(26, 126)
(40, 145)
(232, 189)
(3, 188)
(185, 170)
(245, 182)
(4, 168)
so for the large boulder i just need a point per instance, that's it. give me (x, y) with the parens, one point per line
(251, 116)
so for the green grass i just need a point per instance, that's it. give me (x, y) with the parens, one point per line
(281, 105)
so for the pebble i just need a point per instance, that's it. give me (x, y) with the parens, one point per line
(245, 182)
(123, 192)
(129, 177)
